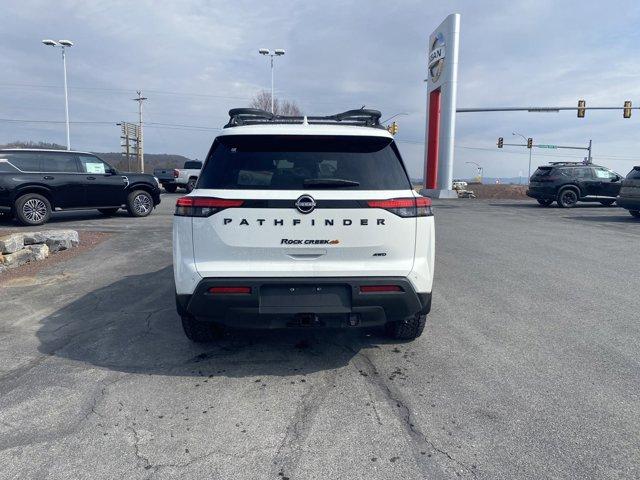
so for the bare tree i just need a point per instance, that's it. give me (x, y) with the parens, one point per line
(290, 109)
(262, 100)
(32, 144)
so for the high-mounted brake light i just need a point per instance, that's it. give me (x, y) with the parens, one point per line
(203, 206)
(405, 207)
(229, 290)
(380, 288)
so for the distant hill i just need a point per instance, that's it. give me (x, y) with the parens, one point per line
(503, 180)
(151, 160)
(485, 180)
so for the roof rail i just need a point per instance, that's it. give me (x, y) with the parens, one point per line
(254, 116)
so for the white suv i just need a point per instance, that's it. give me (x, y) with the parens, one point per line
(303, 222)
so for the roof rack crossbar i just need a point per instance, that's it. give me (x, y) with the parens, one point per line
(566, 163)
(254, 116)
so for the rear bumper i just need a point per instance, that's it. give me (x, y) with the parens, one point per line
(291, 302)
(630, 203)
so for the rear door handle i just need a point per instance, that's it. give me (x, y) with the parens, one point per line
(49, 177)
(91, 178)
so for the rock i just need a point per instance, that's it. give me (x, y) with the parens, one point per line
(41, 251)
(56, 240)
(18, 258)
(11, 243)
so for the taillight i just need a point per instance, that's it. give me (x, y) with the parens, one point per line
(405, 207)
(176, 174)
(229, 290)
(380, 288)
(203, 206)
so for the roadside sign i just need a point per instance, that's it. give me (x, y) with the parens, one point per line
(546, 146)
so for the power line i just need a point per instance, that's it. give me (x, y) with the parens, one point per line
(78, 122)
(157, 92)
(126, 90)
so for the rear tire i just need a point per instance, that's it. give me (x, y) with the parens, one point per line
(170, 188)
(635, 213)
(139, 203)
(199, 332)
(568, 198)
(32, 209)
(607, 203)
(109, 212)
(191, 184)
(545, 202)
(408, 329)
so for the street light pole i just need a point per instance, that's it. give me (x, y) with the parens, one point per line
(271, 83)
(480, 170)
(525, 141)
(63, 44)
(278, 52)
(140, 145)
(66, 97)
(392, 117)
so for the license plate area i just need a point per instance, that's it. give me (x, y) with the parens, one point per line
(292, 299)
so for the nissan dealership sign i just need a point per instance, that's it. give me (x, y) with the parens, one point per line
(442, 81)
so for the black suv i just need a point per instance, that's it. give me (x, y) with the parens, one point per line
(629, 196)
(33, 183)
(569, 182)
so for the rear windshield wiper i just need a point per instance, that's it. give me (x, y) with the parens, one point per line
(330, 182)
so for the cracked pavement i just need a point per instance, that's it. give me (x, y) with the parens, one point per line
(528, 367)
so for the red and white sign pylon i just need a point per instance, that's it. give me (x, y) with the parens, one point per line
(442, 84)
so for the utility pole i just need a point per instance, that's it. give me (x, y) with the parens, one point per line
(589, 159)
(140, 152)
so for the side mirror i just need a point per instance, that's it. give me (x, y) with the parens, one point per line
(615, 179)
(112, 171)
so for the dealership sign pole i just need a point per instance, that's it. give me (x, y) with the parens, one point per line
(442, 83)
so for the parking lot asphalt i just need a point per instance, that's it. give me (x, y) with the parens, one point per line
(528, 367)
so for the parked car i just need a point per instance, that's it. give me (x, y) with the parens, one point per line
(568, 183)
(186, 177)
(303, 223)
(34, 183)
(629, 196)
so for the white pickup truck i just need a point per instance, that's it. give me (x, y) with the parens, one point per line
(186, 177)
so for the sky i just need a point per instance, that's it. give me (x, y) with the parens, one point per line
(195, 60)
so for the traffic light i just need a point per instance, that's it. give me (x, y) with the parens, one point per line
(529, 142)
(626, 113)
(393, 128)
(581, 108)
(500, 142)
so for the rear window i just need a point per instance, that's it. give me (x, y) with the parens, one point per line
(542, 171)
(304, 162)
(192, 165)
(634, 174)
